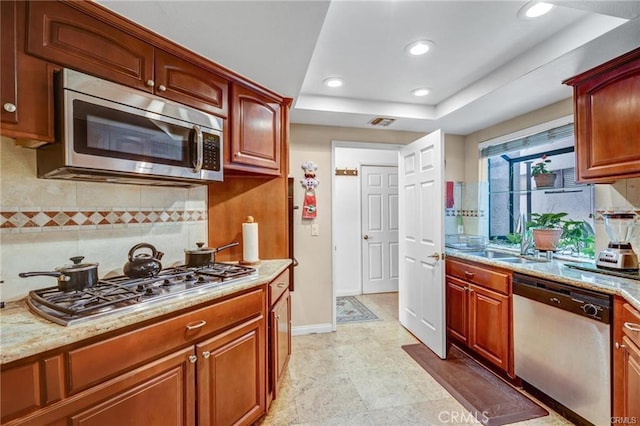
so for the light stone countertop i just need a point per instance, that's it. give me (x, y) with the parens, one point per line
(23, 333)
(557, 271)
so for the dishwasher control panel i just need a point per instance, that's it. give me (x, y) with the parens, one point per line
(580, 301)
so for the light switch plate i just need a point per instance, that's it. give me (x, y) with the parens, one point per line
(315, 230)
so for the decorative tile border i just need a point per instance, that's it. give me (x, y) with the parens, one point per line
(63, 219)
(464, 213)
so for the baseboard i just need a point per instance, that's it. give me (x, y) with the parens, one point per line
(311, 329)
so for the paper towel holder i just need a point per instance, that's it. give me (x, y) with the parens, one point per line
(249, 221)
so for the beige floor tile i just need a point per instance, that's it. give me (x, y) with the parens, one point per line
(360, 375)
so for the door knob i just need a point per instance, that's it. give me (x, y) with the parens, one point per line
(366, 237)
(436, 256)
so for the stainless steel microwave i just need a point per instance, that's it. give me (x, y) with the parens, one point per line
(112, 133)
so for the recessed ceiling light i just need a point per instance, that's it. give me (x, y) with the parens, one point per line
(419, 47)
(333, 82)
(420, 92)
(534, 9)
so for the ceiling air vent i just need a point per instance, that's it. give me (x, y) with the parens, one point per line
(382, 121)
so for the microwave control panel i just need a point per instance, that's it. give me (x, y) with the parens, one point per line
(211, 152)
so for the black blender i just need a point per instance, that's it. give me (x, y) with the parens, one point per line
(619, 254)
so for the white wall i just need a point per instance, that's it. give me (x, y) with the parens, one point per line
(347, 223)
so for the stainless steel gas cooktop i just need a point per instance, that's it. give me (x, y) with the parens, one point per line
(123, 294)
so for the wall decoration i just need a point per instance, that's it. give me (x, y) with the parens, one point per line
(309, 183)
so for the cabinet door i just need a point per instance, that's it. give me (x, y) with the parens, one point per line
(256, 133)
(489, 325)
(159, 393)
(631, 379)
(457, 309)
(184, 82)
(62, 34)
(280, 349)
(232, 376)
(26, 92)
(9, 83)
(607, 124)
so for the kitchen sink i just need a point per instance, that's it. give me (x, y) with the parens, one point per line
(489, 254)
(523, 260)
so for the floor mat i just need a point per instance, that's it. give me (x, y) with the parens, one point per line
(350, 309)
(491, 400)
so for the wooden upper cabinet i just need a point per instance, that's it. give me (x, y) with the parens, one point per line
(26, 93)
(61, 34)
(607, 111)
(184, 82)
(256, 132)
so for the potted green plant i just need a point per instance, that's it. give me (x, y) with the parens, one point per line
(579, 237)
(547, 230)
(543, 177)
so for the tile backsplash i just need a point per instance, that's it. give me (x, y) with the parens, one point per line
(45, 222)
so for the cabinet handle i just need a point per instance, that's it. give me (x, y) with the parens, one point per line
(196, 325)
(150, 83)
(193, 359)
(631, 326)
(206, 354)
(9, 107)
(281, 285)
(162, 88)
(619, 346)
(470, 290)
(469, 275)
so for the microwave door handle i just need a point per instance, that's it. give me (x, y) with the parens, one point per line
(199, 149)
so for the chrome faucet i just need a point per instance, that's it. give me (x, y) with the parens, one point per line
(526, 242)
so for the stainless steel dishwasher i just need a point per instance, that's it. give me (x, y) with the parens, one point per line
(562, 344)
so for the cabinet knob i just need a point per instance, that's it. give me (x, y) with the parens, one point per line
(193, 359)
(162, 88)
(9, 107)
(150, 83)
(281, 285)
(619, 346)
(206, 354)
(469, 275)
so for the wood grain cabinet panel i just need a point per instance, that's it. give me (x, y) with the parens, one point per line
(479, 311)
(20, 390)
(607, 107)
(280, 341)
(232, 376)
(61, 34)
(626, 361)
(184, 82)
(256, 132)
(457, 309)
(26, 91)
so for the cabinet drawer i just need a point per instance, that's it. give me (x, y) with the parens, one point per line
(494, 280)
(94, 363)
(630, 323)
(278, 286)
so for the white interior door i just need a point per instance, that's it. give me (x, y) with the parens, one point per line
(421, 240)
(379, 229)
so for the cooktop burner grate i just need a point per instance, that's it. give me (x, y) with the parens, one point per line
(121, 293)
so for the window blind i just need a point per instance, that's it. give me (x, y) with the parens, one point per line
(531, 141)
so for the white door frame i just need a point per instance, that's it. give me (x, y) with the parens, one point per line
(356, 145)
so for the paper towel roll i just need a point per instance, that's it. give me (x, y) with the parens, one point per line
(250, 242)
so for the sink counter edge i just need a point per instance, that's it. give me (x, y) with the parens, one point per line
(556, 270)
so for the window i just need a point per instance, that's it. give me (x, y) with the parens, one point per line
(512, 190)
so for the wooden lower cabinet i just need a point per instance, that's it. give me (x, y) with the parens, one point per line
(231, 376)
(626, 363)
(205, 366)
(478, 311)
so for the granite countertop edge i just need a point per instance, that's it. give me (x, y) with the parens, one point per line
(24, 334)
(556, 270)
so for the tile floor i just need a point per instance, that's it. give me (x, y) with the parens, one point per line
(360, 375)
